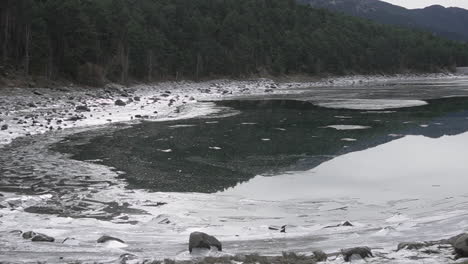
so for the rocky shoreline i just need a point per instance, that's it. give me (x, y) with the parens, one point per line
(206, 249)
(29, 111)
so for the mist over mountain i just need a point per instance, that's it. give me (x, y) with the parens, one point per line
(445, 22)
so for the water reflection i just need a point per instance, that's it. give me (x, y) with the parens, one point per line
(272, 137)
(412, 167)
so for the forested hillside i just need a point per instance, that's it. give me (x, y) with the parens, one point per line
(446, 22)
(95, 40)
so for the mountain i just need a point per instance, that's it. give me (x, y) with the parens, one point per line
(446, 22)
(119, 40)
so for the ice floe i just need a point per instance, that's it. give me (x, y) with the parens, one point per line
(370, 104)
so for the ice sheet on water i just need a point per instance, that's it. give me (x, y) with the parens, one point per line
(370, 104)
(348, 127)
(182, 126)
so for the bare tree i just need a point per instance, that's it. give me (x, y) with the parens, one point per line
(27, 41)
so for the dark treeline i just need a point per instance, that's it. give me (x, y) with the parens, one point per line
(93, 40)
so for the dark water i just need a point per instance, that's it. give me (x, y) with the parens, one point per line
(268, 137)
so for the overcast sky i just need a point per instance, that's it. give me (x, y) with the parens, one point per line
(424, 3)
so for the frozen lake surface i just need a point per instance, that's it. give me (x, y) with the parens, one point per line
(392, 160)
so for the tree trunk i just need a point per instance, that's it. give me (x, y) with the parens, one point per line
(199, 66)
(6, 28)
(150, 65)
(50, 60)
(27, 40)
(123, 57)
(126, 66)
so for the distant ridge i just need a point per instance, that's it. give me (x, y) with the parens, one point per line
(451, 23)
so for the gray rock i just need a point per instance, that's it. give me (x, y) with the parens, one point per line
(127, 258)
(4, 127)
(105, 239)
(411, 245)
(360, 252)
(453, 239)
(461, 246)
(28, 235)
(320, 256)
(120, 103)
(42, 238)
(82, 108)
(75, 118)
(202, 240)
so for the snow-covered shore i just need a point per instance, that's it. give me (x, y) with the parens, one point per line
(242, 223)
(28, 111)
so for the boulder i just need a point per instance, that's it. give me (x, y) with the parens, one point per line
(453, 239)
(28, 235)
(120, 103)
(320, 256)
(105, 239)
(461, 246)
(358, 252)
(4, 127)
(82, 108)
(202, 240)
(42, 238)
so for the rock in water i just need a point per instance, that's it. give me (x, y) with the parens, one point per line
(42, 238)
(361, 252)
(120, 103)
(461, 246)
(105, 239)
(320, 256)
(202, 240)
